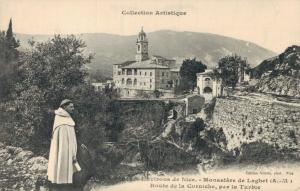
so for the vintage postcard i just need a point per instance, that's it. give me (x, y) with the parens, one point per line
(150, 95)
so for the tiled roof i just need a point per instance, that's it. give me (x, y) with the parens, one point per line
(205, 72)
(157, 56)
(145, 64)
(125, 63)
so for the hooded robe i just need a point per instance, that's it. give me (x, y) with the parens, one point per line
(63, 149)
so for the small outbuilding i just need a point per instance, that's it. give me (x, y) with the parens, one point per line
(207, 86)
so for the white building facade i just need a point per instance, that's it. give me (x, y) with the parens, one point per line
(207, 86)
(145, 75)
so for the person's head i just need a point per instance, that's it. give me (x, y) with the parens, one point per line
(67, 105)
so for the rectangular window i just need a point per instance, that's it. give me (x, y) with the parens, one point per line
(162, 74)
(150, 86)
(145, 73)
(140, 73)
(150, 80)
(144, 83)
(150, 73)
(162, 81)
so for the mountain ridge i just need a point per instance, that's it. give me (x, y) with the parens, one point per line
(110, 49)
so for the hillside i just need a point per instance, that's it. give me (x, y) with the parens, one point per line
(281, 74)
(110, 49)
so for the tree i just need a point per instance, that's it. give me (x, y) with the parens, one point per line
(8, 63)
(98, 76)
(12, 43)
(9, 32)
(188, 73)
(228, 69)
(51, 71)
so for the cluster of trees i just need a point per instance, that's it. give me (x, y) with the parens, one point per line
(227, 70)
(97, 76)
(34, 82)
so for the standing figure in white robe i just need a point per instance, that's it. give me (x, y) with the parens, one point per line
(63, 148)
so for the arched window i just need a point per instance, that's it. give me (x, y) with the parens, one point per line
(129, 81)
(123, 81)
(134, 82)
(129, 72)
(207, 81)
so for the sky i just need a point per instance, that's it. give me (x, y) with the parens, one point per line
(273, 24)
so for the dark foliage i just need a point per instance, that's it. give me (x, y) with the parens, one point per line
(259, 152)
(265, 66)
(209, 108)
(52, 71)
(188, 71)
(98, 76)
(163, 155)
(8, 63)
(228, 69)
(192, 132)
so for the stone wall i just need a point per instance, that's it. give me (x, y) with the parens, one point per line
(250, 120)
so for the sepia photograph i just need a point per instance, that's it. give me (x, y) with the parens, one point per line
(130, 95)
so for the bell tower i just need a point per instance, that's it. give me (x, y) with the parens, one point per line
(141, 47)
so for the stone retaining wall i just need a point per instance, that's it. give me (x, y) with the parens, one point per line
(249, 120)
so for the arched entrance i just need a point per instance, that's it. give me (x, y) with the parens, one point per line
(207, 90)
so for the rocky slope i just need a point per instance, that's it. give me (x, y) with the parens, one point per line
(20, 169)
(281, 74)
(209, 48)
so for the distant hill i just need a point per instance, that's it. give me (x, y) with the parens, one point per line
(281, 74)
(209, 48)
